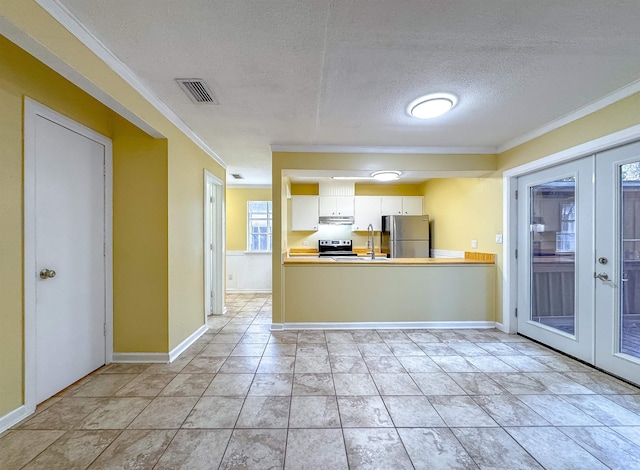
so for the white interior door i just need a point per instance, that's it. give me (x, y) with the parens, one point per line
(618, 261)
(555, 249)
(70, 241)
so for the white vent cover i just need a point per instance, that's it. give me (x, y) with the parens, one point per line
(198, 90)
(237, 176)
(336, 188)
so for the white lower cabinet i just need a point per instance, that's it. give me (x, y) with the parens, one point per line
(304, 213)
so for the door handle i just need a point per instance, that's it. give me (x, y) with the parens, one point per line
(47, 274)
(601, 276)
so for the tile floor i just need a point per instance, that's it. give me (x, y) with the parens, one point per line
(242, 397)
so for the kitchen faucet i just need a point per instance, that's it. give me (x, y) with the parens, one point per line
(373, 246)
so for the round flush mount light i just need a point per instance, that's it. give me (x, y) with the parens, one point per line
(385, 175)
(430, 106)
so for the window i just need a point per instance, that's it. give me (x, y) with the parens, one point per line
(566, 237)
(259, 216)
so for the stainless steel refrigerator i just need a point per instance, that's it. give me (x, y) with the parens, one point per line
(405, 236)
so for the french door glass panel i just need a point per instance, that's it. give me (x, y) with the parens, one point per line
(555, 242)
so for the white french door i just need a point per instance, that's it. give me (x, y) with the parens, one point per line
(555, 248)
(617, 287)
(579, 259)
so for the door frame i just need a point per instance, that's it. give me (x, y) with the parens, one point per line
(217, 225)
(33, 110)
(510, 211)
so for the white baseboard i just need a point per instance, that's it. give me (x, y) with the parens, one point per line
(179, 349)
(160, 358)
(132, 358)
(501, 327)
(249, 291)
(439, 325)
(447, 254)
(14, 417)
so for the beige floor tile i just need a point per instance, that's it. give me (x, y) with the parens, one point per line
(18, 447)
(375, 449)
(255, 449)
(264, 412)
(65, 414)
(187, 385)
(104, 385)
(195, 450)
(134, 449)
(311, 449)
(74, 450)
(435, 449)
(115, 413)
(145, 385)
(164, 413)
(214, 413)
(314, 412)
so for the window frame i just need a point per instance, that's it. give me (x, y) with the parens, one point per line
(269, 227)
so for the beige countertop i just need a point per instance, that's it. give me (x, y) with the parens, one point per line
(361, 261)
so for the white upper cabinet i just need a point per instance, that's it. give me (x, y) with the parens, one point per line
(304, 213)
(368, 210)
(391, 205)
(412, 205)
(402, 205)
(336, 205)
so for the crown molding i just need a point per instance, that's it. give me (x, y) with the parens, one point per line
(383, 150)
(618, 95)
(61, 14)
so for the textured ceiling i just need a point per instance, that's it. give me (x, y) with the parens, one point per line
(342, 72)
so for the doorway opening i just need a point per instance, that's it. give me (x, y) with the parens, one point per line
(214, 242)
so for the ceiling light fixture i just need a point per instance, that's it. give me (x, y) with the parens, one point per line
(431, 106)
(386, 175)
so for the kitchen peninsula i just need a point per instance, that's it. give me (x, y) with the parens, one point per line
(388, 292)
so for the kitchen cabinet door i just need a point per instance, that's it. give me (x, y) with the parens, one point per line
(344, 206)
(367, 210)
(391, 205)
(412, 205)
(336, 205)
(304, 213)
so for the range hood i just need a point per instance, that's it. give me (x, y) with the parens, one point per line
(336, 220)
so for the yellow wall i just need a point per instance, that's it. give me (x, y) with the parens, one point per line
(386, 189)
(140, 265)
(157, 200)
(464, 209)
(613, 118)
(304, 189)
(186, 236)
(237, 199)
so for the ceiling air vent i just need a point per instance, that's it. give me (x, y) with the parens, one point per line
(198, 90)
(237, 176)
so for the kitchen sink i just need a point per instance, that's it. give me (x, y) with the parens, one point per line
(361, 259)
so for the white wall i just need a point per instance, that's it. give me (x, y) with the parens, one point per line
(248, 272)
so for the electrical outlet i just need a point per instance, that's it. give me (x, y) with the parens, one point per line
(499, 238)
(231, 277)
(474, 243)
(305, 243)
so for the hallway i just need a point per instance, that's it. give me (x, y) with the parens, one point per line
(242, 397)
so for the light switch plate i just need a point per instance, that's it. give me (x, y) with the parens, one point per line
(474, 243)
(499, 238)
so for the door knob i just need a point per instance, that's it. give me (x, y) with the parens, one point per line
(601, 276)
(47, 274)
